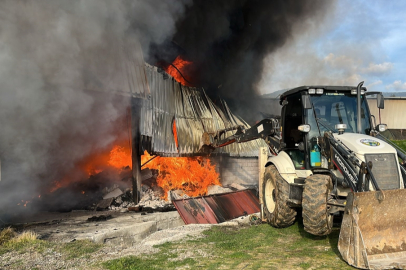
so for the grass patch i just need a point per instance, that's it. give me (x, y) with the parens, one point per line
(255, 247)
(400, 143)
(28, 242)
(162, 260)
(25, 237)
(6, 235)
(80, 248)
(24, 242)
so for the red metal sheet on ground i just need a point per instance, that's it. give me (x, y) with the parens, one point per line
(217, 208)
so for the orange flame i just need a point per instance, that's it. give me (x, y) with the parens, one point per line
(120, 157)
(175, 134)
(192, 175)
(117, 157)
(178, 70)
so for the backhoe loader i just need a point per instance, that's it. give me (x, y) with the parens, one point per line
(328, 158)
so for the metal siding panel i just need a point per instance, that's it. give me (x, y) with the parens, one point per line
(230, 206)
(247, 201)
(217, 208)
(195, 211)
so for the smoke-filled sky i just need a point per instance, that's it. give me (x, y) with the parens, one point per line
(358, 41)
(227, 42)
(51, 49)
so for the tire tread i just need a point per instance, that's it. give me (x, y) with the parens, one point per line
(283, 216)
(315, 214)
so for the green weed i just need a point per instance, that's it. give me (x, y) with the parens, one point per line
(79, 248)
(256, 247)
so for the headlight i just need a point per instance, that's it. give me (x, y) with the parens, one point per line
(304, 128)
(382, 127)
(354, 92)
(319, 91)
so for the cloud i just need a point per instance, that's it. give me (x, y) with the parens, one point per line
(348, 51)
(340, 61)
(379, 82)
(378, 69)
(295, 65)
(397, 86)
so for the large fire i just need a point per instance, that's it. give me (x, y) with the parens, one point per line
(178, 69)
(193, 175)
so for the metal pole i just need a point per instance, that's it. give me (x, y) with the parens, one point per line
(359, 124)
(136, 105)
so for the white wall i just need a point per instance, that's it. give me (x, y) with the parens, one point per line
(394, 113)
(237, 170)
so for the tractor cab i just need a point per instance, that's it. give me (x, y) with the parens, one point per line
(309, 111)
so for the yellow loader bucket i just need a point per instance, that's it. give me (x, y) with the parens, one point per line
(373, 231)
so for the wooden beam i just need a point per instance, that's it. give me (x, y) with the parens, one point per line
(262, 159)
(136, 105)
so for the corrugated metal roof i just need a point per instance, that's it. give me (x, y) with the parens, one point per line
(164, 101)
(193, 112)
(217, 208)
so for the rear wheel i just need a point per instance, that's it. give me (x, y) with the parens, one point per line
(317, 219)
(275, 193)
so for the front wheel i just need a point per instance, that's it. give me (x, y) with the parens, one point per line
(317, 219)
(275, 194)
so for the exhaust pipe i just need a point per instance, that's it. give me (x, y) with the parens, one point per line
(359, 125)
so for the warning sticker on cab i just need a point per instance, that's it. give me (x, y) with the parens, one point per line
(260, 128)
(370, 142)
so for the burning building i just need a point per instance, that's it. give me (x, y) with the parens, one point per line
(71, 71)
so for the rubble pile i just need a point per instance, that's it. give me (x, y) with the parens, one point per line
(118, 199)
(152, 195)
(109, 191)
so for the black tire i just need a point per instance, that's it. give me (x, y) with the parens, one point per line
(275, 194)
(316, 217)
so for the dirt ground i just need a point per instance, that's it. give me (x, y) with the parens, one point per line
(110, 250)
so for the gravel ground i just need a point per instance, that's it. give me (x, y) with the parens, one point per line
(54, 260)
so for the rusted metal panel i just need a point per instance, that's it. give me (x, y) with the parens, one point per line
(373, 231)
(217, 208)
(195, 211)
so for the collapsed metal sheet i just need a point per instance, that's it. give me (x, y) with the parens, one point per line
(213, 209)
(192, 112)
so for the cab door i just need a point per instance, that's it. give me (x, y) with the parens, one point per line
(292, 117)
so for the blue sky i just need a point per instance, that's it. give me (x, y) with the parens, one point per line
(355, 41)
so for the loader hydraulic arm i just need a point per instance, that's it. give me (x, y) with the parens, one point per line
(264, 129)
(346, 161)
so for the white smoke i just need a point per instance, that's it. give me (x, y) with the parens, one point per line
(48, 121)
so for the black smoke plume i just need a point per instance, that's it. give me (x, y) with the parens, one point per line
(49, 121)
(227, 42)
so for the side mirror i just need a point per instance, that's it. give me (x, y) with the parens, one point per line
(380, 100)
(306, 102)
